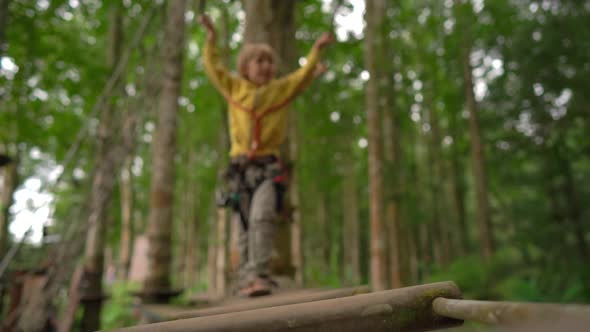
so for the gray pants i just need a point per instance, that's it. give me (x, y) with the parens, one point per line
(256, 243)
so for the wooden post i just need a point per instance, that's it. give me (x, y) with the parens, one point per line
(403, 309)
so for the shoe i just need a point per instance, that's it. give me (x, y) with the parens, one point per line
(258, 287)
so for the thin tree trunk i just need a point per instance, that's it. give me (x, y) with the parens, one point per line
(9, 181)
(294, 203)
(127, 231)
(188, 228)
(478, 160)
(425, 237)
(438, 197)
(164, 151)
(212, 261)
(4, 16)
(392, 158)
(8, 184)
(234, 252)
(374, 16)
(351, 227)
(324, 232)
(8, 176)
(234, 222)
(430, 196)
(393, 161)
(109, 160)
(182, 233)
(421, 176)
(221, 212)
(575, 212)
(193, 255)
(458, 189)
(221, 265)
(413, 267)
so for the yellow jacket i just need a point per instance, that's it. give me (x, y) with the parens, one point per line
(257, 114)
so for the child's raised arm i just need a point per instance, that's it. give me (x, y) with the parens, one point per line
(298, 80)
(205, 21)
(217, 72)
(325, 39)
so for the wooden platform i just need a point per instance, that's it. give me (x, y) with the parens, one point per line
(152, 313)
(405, 309)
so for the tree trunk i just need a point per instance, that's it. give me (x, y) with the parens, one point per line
(575, 211)
(420, 177)
(272, 22)
(164, 151)
(294, 203)
(8, 174)
(425, 241)
(212, 261)
(8, 184)
(458, 188)
(221, 260)
(188, 227)
(4, 16)
(9, 181)
(374, 16)
(293, 200)
(478, 160)
(434, 207)
(392, 154)
(108, 161)
(351, 239)
(127, 230)
(191, 223)
(392, 159)
(234, 252)
(221, 216)
(324, 244)
(414, 268)
(438, 176)
(191, 263)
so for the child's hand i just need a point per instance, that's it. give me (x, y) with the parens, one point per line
(325, 39)
(205, 21)
(320, 69)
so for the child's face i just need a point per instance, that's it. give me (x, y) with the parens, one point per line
(261, 69)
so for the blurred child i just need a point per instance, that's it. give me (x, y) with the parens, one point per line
(257, 104)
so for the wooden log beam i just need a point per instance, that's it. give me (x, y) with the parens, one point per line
(506, 313)
(274, 301)
(404, 309)
(153, 313)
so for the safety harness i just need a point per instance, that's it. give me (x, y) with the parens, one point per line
(234, 199)
(257, 118)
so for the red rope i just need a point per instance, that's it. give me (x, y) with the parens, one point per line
(257, 119)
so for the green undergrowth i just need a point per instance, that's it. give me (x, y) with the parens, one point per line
(509, 277)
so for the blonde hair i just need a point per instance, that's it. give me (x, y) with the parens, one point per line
(251, 51)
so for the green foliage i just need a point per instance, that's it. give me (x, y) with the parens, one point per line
(530, 61)
(510, 277)
(469, 274)
(119, 310)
